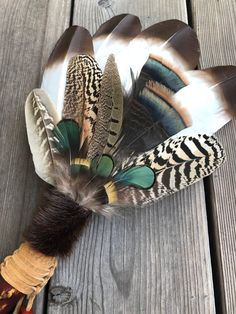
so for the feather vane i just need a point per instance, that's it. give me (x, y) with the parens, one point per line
(41, 117)
(110, 112)
(75, 40)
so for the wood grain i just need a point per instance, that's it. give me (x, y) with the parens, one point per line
(154, 260)
(26, 31)
(218, 46)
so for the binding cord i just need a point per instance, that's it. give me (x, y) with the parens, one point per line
(28, 271)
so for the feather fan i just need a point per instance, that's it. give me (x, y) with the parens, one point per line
(117, 146)
(121, 118)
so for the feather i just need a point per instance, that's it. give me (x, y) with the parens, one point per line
(172, 42)
(175, 105)
(67, 138)
(114, 35)
(142, 177)
(209, 100)
(41, 116)
(110, 112)
(82, 92)
(75, 40)
(115, 24)
(102, 166)
(153, 115)
(177, 163)
(159, 60)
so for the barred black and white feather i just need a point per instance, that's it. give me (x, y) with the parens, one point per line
(177, 163)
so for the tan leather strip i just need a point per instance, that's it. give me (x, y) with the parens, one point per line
(28, 270)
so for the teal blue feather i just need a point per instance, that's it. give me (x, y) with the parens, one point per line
(142, 177)
(102, 166)
(160, 73)
(162, 112)
(67, 137)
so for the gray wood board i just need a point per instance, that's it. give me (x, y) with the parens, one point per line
(215, 24)
(154, 260)
(27, 29)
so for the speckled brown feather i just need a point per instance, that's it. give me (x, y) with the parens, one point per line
(110, 112)
(82, 93)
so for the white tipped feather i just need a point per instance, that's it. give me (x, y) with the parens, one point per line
(75, 40)
(172, 42)
(206, 107)
(114, 42)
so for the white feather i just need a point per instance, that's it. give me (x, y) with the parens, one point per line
(204, 107)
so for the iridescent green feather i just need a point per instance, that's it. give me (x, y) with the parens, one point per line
(67, 137)
(142, 177)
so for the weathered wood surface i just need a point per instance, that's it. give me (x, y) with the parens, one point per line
(27, 29)
(218, 46)
(155, 260)
(24, 36)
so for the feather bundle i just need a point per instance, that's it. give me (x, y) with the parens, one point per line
(122, 118)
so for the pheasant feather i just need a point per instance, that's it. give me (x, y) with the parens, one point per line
(110, 112)
(41, 116)
(81, 93)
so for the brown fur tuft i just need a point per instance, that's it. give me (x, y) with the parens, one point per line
(57, 224)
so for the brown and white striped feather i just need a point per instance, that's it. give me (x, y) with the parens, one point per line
(82, 93)
(41, 118)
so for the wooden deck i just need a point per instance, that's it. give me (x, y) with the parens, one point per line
(175, 257)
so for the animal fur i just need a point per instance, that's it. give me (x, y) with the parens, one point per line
(64, 210)
(57, 224)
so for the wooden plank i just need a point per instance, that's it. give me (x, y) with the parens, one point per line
(27, 29)
(218, 46)
(154, 260)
